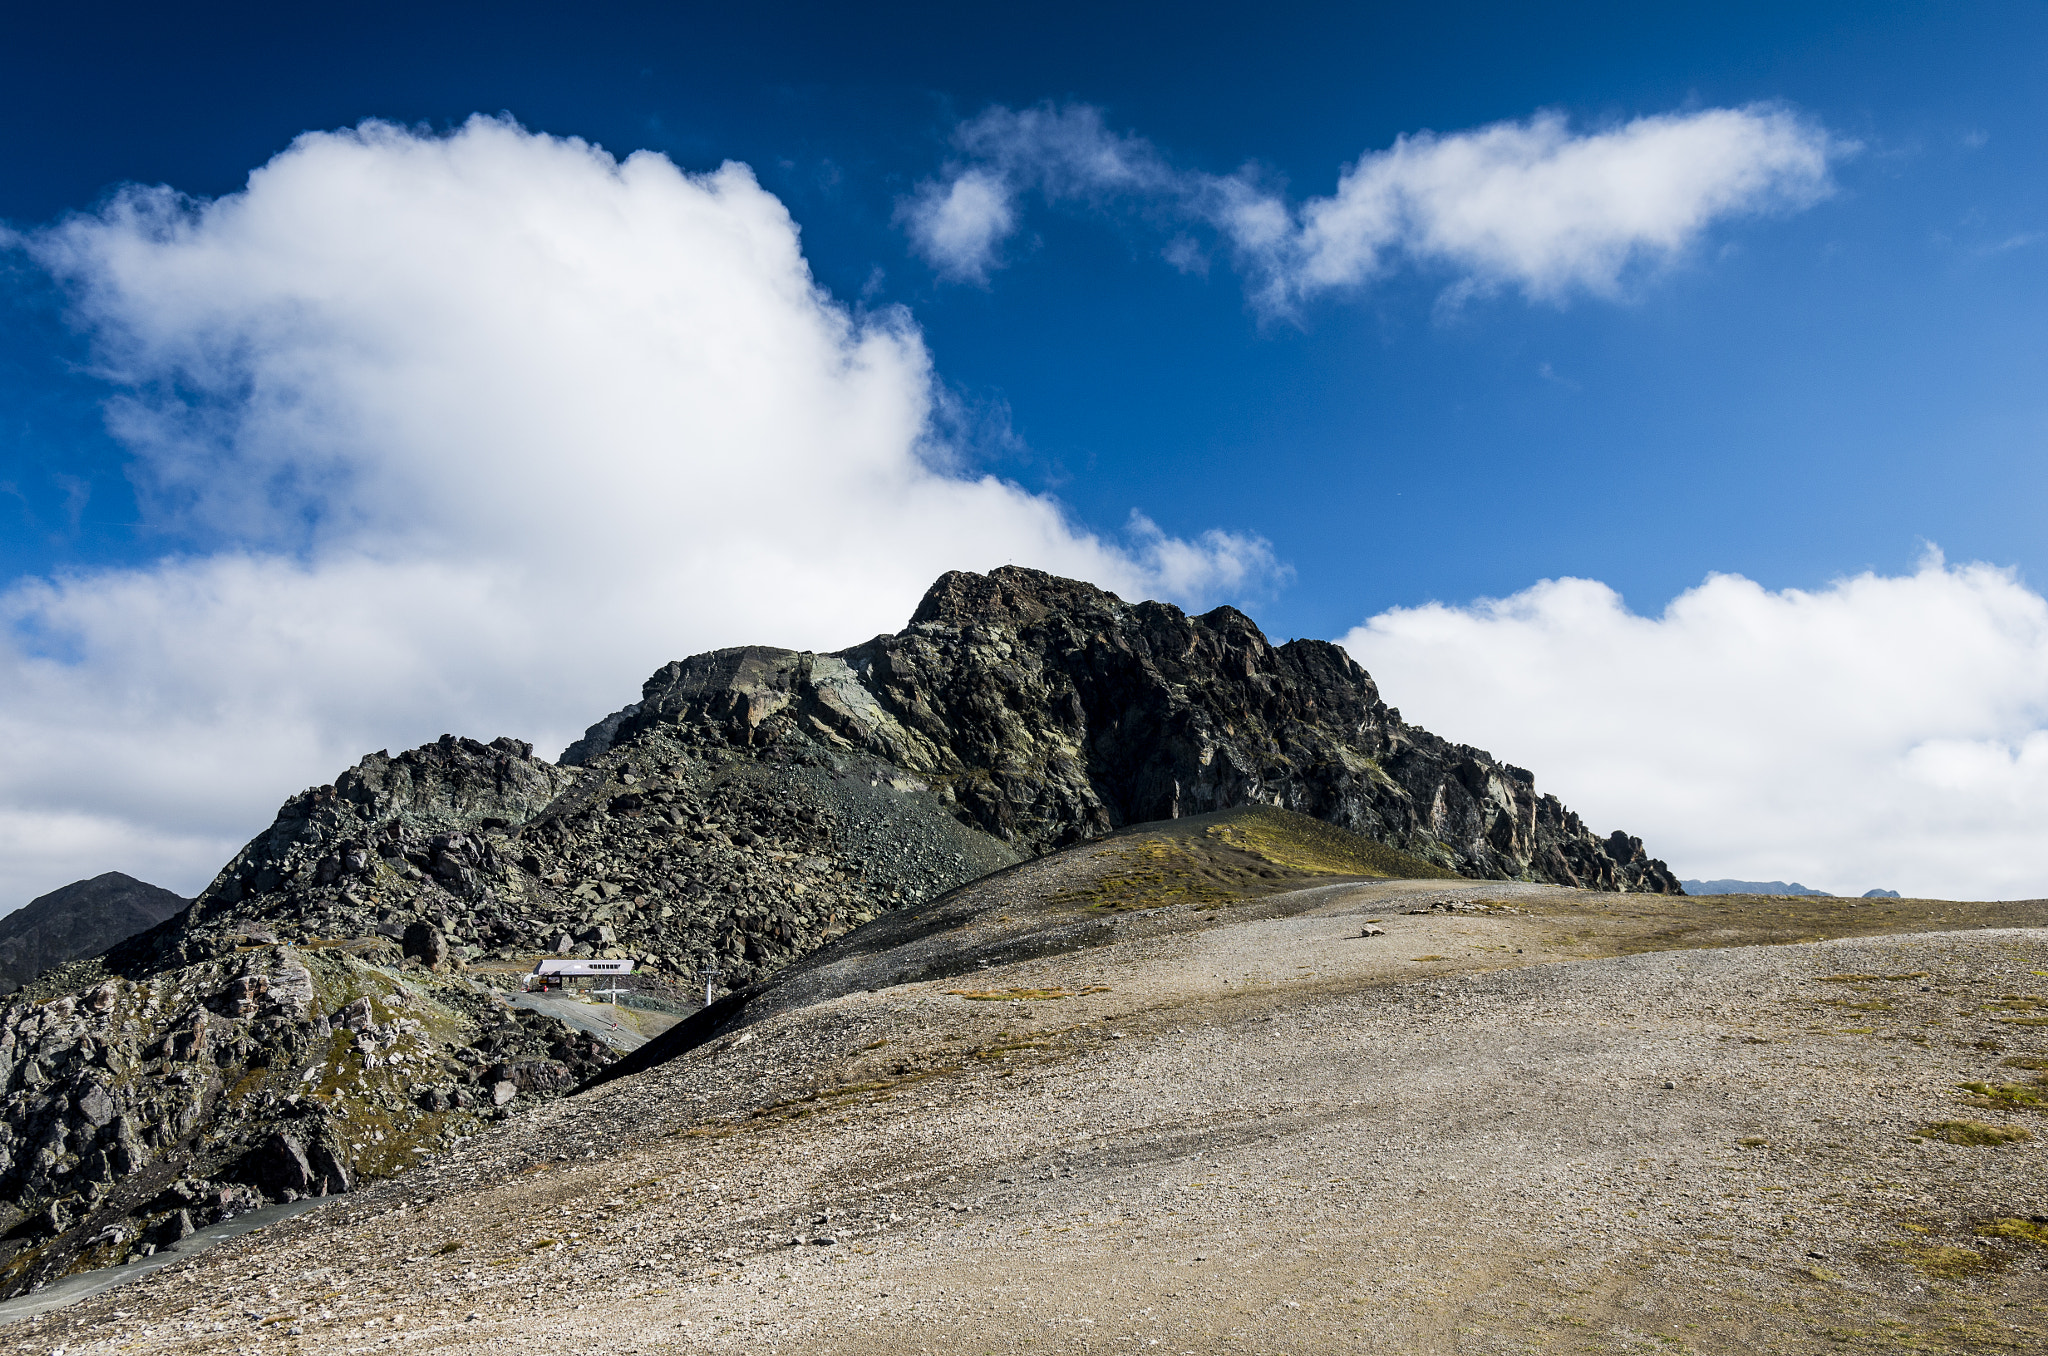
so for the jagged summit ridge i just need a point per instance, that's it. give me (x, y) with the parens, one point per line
(1049, 711)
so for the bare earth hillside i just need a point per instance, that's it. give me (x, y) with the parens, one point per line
(1297, 1112)
(320, 1015)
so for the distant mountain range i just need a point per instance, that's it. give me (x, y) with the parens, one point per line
(1767, 887)
(82, 919)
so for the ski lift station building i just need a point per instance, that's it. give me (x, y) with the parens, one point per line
(555, 971)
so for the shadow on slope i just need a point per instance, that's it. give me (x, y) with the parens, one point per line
(1199, 866)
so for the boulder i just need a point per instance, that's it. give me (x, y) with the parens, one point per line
(190, 1044)
(279, 1165)
(246, 994)
(330, 1176)
(93, 1107)
(428, 943)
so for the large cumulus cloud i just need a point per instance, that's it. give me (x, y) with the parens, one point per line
(1883, 731)
(470, 432)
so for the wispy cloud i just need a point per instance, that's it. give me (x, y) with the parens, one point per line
(960, 225)
(2018, 241)
(1531, 205)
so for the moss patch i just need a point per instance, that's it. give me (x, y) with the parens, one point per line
(2010, 1094)
(1296, 842)
(1942, 1262)
(1974, 1133)
(2015, 1231)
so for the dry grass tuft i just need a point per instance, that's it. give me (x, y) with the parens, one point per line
(2015, 1231)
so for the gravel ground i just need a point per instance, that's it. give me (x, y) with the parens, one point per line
(620, 1028)
(1267, 1135)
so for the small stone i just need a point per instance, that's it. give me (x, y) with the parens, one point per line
(1669, 1085)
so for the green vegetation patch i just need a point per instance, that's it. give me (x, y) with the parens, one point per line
(1942, 1262)
(2026, 1062)
(1298, 842)
(2032, 1096)
(2015, 1231)
(1210, 860)
(2024, 1007)
(1150, 875)
(1974, 1133)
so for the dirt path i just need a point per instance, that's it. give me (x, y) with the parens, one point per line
(1266, 1135)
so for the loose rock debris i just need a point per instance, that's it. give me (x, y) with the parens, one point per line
(1684, 1148)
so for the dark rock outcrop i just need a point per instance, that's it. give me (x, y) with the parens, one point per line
(1049, 711)
(425, 942)
(83, 918)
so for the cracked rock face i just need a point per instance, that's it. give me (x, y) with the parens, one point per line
(312, 1021)
(1047, 711)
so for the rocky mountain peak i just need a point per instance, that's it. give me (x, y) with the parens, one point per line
(1011, 596)
(79, 919)
(1046, 711)
(756, 803)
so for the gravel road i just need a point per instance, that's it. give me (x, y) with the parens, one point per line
(1268, 1135)
(620, 1028)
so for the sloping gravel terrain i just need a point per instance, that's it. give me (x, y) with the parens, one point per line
(755, 806)
(1267, 1134)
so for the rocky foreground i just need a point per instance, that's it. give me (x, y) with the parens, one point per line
(1254, 1113)
(323, 1014)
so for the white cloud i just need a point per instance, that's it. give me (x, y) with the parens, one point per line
(1883, 731)
(1532, 205)
(1528, 204)
(470, 433)
(1063, 152)
(1216, 564)
(958, 226)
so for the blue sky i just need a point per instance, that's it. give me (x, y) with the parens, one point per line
(1811, 386)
